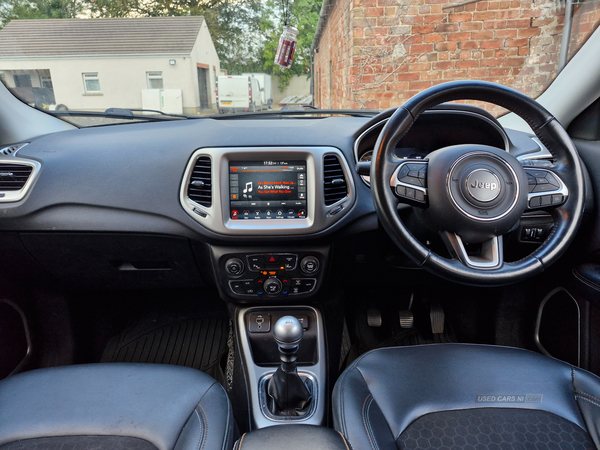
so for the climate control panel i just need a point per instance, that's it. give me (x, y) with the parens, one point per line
(270, 275)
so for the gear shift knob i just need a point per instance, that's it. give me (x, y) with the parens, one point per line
(289, 393)
(288, 333)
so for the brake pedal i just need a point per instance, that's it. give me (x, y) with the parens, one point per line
(407, 319)
(437, 318)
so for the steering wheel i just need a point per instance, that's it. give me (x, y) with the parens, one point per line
(474, 194)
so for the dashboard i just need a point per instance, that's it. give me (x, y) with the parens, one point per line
(252, 206)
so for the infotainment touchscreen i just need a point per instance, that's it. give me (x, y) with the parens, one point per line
(266, 190)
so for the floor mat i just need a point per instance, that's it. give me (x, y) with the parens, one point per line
(198, 342)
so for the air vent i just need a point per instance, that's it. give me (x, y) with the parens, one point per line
(14, 176)
(7, 151)
(200, 187)
(334, 184)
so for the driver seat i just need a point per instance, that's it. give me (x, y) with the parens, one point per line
(115, 406)
(461, 396)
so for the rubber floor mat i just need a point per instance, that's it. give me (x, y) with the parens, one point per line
(199, 343)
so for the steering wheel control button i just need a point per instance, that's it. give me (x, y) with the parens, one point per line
(309, 265)
(259, 323)
(548, 190)
(483, 185)
(412, 174)
(234, 266)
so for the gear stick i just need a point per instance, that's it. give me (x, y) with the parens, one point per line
(290, 395)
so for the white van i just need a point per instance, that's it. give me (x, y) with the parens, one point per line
(266, 87)
(238, 93)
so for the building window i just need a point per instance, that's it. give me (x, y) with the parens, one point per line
(46, 82)
(91, 82)
(22, 81)
(155, 80)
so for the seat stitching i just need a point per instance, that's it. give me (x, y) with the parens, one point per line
(587, 399)
(241, 441)
(369, 422)
(587, 395)
(342, 412)
(342, 380)
(344, 439)
(365, 422)
(206, 421)
(202, 434)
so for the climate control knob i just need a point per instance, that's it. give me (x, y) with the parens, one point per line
(272, 286)
(309, 265)
(234, 266)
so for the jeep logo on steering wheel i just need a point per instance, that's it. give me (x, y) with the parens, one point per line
(483, 185)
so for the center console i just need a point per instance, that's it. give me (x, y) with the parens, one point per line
(264, 356)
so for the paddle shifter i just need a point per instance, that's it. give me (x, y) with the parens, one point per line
(290, 395)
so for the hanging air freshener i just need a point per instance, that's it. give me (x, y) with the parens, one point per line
(287, 47)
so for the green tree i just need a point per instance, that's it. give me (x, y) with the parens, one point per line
(302, 14)
(38, 9)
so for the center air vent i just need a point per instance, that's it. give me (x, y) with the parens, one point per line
(335, 187)
(13, 176)
(200, 187)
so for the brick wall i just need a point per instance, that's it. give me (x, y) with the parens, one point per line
(375, 54)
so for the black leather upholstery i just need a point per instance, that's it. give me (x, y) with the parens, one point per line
(385, 391)
(292, 437)
(170, 407)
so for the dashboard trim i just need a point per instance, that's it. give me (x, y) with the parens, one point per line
(16, 196)
(216, 218)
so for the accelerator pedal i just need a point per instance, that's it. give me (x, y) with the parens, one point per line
(437, 318)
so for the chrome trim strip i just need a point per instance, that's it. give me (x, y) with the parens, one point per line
(492, 249)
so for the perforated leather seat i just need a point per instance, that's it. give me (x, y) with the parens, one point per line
(114, 407)
(460, 396)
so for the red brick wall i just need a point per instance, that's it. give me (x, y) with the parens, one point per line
(382, 52)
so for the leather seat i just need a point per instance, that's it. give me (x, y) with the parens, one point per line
(114, 406)
(466, 396)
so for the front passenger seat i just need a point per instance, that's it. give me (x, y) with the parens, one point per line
(461, 396)
(115, 406)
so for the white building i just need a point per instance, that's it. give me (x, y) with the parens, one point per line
(95, 64)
